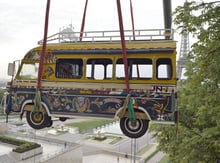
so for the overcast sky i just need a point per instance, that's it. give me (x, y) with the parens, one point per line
(22, 21)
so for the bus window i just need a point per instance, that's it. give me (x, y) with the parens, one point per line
(99, 69)
(69, 68)
(140, 68)
(119, 72)
(29, 70)
(164, 68)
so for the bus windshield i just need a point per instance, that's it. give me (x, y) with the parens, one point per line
(29, 70)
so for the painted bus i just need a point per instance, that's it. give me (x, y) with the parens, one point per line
(86, 78)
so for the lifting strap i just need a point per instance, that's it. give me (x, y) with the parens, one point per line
(131, 113)
(37, 100)
(123, 45)
(133, 32)
(132, 19)
(83, 21)
(42, 56)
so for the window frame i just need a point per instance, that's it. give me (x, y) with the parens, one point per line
(62, 71)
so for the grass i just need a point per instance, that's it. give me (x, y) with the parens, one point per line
(89, 124)
(144, 150)
(151, 155)
(165, 159)
(116, 140)
(3, 116)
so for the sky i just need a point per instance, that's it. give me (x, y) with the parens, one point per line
(22, 22)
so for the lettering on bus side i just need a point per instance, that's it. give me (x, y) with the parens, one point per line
(158, 88)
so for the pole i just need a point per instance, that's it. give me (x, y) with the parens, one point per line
(134, 150)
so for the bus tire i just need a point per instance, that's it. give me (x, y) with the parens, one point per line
(50, 123)
(38, 120)
(62, 119)
(132, 130)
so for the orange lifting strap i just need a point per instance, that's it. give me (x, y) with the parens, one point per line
(42, 56)
(124, 54)
(83, 21)
(123, 45)
(37, 101)
(132, 19)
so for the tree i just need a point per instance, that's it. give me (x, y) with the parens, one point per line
(198, 136)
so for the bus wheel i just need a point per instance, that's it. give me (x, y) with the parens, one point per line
(50, 123)
(62, 119)
(38, 120)
(134, 129)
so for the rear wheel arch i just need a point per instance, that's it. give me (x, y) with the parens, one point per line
(37, 119)
(140, 112)
(144, 113)
(28, 105)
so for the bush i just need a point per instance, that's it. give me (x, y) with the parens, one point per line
(12, 141)
(23, 145)
(1, 93)
(26, 147)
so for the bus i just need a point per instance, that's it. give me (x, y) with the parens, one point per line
(86, 78)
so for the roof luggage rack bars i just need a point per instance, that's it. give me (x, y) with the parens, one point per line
(110, 36)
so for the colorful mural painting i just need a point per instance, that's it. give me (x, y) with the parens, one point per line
(158, 105)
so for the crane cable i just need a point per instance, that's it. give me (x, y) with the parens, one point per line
(37, 100)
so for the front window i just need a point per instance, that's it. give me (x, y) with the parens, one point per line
(29, 70)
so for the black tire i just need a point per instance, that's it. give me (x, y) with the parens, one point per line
(38, 120)
(134, 130)
(50, 123)
(62, 119)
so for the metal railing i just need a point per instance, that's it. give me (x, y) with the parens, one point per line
(110, 36)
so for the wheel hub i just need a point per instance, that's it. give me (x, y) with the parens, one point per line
(37, 117)
(134, 125)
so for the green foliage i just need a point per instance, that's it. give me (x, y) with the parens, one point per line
(12, 141)
(100, 138)
(1, 93)
(23, 146)
(26, 147)
(198, 136)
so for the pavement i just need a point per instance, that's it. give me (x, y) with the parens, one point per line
(92, 151)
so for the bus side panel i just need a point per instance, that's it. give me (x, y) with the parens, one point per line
(66, 103)
(86, 105)
(159, 106)
(19, 96)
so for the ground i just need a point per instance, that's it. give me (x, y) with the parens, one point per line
(60, 139)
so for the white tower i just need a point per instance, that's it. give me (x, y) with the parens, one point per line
(184, 50)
